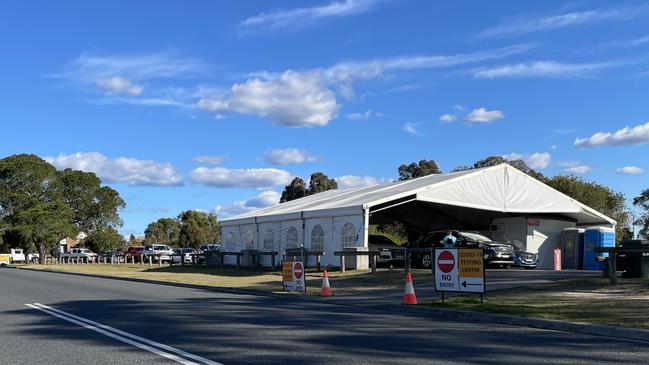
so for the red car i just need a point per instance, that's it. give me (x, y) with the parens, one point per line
(134, 252)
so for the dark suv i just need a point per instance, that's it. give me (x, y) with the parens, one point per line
(495, 253)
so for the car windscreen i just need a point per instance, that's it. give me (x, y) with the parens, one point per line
(475, 237)
(188, 250)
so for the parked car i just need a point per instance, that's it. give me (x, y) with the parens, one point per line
(80, 253)
(18, 255)
(157, 252)
(212, 247)
(209, 247)
(134, 253)
(495, 253)
(108, 255)
(389, 252)
(525, 259)
(185, 255)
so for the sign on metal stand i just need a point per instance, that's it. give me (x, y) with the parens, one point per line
(459, 270)
(293, 276)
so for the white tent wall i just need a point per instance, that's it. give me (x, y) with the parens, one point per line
(291, 235)
(511, 230)
(327, 239)
(348, 233)
(231, 242)
(544, 238)
(541, 239)
(269, 234)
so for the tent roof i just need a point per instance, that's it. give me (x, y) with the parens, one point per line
(500, 188)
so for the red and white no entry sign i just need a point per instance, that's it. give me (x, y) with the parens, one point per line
(298, 270)
(446, 261)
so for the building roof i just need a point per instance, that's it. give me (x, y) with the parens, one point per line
(500, 188)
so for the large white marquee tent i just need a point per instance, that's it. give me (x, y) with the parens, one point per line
(337, 219)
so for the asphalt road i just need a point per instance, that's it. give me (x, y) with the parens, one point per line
(249, 329)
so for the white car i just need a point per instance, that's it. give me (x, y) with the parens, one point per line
(79, 253)
(18, 255)
(185, 254)
(157, 252)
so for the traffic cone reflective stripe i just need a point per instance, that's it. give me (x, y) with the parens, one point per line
(409, 296)
(326, 289)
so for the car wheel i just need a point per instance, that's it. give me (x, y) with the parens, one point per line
(425, 261)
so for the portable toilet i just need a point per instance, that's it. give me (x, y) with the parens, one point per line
(595, 237)
(572, 248)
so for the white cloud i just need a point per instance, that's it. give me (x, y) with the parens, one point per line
(553, 147)
(344, 73)
(550, 69)
(520, 25)
(626, 136)
(294, 99)
(262, 200)
(289, 156)
(308, 98)
(412, 128)
(639, 41)
(482, 115)
(124, 170)
(221, 177)
(580, 169)
(364, 116)
(447, 118)
(352, 181)
(124, 74)
(211, 160)
(91, 68)
(630, 170)
(118, 85)
(574, 167)
(294, 18)
(537, 160)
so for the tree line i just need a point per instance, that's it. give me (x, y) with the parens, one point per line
(40, 205)
(190, 228)
(597, 196)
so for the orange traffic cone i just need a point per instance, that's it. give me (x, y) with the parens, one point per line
(409, 296)
(326, 289)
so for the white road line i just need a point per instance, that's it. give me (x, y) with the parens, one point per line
(126, 337)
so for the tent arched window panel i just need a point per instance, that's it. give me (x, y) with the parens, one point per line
(317, 238)
(269, 240)
(231, 242)
(248, 239)
(292, 240)
(348, 236)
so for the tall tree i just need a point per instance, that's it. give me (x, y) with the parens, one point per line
(414, 170)
(34, 215)
(497, 160)
(104, 239)
(164, 230)
(295, 190)
(596, 196)
(198, 228)
(320, 182)
(642, 201)
(92, 206)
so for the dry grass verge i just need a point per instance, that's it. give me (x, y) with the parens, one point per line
(585, 301)
(261, 279)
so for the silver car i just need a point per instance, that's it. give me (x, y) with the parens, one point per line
(157, 253)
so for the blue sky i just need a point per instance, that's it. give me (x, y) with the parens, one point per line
(216, 106)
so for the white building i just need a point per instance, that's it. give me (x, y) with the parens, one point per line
(499, 198)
